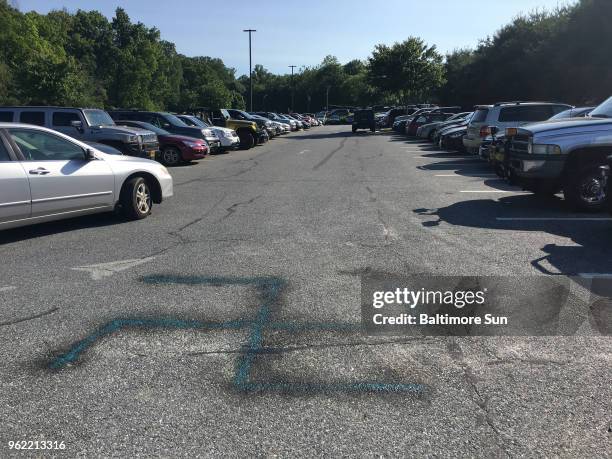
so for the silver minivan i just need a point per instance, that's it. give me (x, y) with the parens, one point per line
(46, 175)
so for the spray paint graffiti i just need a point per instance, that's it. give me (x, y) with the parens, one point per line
(269, 290)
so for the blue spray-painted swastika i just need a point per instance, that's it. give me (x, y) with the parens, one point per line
(269, 290)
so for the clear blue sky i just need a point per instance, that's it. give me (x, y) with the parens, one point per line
(302, 33)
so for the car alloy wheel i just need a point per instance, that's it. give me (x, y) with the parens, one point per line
(171, 157)
(143, 198)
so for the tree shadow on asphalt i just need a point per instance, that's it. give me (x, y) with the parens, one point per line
(61, 226)
(591, 254)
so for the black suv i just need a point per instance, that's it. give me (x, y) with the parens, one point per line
(364, 119)
(170, 123)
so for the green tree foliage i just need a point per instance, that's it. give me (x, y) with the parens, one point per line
(85, 59)
(410, 71)
(559, 55)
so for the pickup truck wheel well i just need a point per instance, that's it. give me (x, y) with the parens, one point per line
(244, 130)
(154, 186)
(583, 156)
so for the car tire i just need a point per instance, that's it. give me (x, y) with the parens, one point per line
(247, 140)
(136, 201)
(171, 156)
(586, 191)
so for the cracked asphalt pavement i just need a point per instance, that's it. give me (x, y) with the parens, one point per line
(310, 210)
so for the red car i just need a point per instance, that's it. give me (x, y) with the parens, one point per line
(174, 148)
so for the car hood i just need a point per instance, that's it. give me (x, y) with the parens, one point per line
(567, 123)
(124, 159)
(128, 130)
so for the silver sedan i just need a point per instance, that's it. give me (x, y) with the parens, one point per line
(46, 175)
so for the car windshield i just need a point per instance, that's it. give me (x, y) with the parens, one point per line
(174, 120)
(193, 120)
(98, 118)
(604, 110)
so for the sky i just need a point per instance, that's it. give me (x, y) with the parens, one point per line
(302, 33)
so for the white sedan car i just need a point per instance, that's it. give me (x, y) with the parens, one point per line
(46, 175)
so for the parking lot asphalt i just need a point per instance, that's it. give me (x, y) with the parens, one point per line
(226, 323)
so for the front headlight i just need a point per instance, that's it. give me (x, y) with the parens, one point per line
(132, 139)
(207, 132)
(537, 149)
(193, 144)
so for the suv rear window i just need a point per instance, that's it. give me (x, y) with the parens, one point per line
(6, 117)
(64, 118)
(480, 115)
(525, 113)
(37, 118)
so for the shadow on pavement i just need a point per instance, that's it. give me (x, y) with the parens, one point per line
(590, 254)
(62, 226)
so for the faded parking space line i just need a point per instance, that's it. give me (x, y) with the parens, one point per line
(494, 191)
(555, 219)
(7, 288)
(462, 175)
(102, 270)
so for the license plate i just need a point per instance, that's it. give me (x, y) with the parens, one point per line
(151, 154)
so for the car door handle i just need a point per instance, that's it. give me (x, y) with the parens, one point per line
(39, 171)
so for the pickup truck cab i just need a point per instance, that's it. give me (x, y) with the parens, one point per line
(87, 125)
(247, 130)
(564, 155)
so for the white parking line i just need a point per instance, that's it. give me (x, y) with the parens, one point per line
(449, 157)
(494, 191)
(7, 289)
(469, 176)
(555, 219)
(102, 270)
(303, 151)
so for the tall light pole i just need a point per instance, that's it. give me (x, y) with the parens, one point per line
(292, 88)
(327, 99)
(250, 31)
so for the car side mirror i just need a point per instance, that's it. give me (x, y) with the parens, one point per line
(89, 154)
(78, 124)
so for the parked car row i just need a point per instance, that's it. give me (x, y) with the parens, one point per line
(544, 147)
(62, 162)
(167, 137)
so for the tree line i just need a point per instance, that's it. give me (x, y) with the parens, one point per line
(85, 59)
